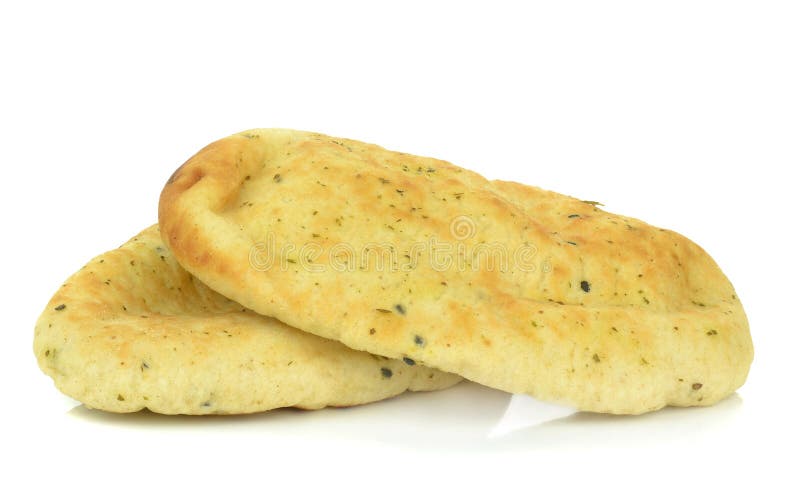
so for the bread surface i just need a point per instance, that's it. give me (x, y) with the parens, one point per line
(530, 291)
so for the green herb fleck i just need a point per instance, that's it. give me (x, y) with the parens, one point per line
(419, 341)
(387, 373)
(585, 286)
(696, 386)
(400, 308)
(277, 178)
(382, 310)
(60, 307)
(711, 332)
(409, 361)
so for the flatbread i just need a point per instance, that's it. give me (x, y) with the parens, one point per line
(594, 310)
(134, 330)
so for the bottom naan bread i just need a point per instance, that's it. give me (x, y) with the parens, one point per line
(133, 330)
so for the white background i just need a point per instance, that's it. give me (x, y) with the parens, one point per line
(685, 114)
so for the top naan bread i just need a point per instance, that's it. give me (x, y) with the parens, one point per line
(511, 286)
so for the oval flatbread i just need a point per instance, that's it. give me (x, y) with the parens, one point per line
(514, 287)
(133, 330)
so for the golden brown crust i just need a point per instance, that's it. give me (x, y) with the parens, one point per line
(614, 315)
(133, 330)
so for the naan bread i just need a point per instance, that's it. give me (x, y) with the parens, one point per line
(134, 330)
(591, 309)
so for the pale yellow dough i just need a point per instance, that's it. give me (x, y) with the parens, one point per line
(609, 314)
